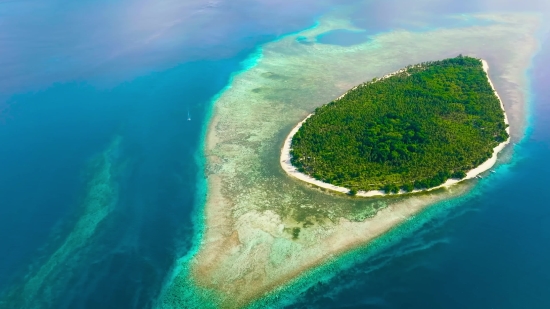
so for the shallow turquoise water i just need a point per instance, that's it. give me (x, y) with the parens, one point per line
(151, 222)
(485, 250)
(70, 85)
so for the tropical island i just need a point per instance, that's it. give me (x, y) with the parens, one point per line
(251, 253)
(412, 130)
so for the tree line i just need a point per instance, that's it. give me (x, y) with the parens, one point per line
(416, 129)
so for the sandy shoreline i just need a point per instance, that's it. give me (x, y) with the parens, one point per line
(247, 252)
(292, 171)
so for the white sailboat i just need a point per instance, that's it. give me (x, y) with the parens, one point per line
(188, 116)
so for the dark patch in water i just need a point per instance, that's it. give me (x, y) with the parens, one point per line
(304, 40)
(273, 76)
(343, 37)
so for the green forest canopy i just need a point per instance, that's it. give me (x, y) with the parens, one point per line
(416, 129)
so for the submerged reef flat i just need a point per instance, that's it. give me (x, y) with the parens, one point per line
(264, 229)
(48, 277)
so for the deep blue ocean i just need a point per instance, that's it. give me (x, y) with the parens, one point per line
(74, 76)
